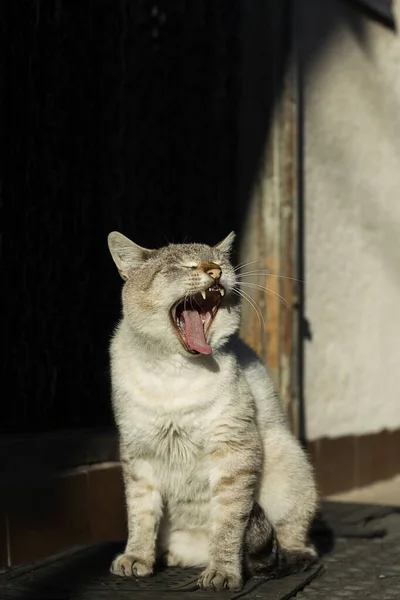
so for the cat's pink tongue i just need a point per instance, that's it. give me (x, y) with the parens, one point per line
(195, 332)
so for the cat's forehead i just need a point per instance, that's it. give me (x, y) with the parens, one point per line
(187, 253)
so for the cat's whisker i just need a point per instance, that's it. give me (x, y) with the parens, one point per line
(242, 265)
(252, 303)
(268, 274)
(191, 302)
(241, 295)
(265, 289)
(197, 302)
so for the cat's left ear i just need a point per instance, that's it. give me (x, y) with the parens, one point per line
(126, 254)
(225, 245)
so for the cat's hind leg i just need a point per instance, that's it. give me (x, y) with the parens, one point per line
(277, 551)
(288, 497)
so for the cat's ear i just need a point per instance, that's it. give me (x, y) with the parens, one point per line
(225, 245)
(126, 254)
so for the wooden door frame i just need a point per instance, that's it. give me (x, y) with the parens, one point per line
(273, 236)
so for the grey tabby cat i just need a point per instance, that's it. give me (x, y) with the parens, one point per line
(213, 476)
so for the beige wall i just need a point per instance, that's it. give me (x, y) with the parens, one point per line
(352, 220)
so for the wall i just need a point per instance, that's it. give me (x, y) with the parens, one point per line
(351, 92)
(43, 514)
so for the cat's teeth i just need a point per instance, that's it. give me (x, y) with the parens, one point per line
(222, 291)
(203, 293)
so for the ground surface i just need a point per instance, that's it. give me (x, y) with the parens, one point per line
(382, 492)
(360, 559)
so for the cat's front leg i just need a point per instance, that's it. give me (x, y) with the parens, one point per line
(233, 477)
(144, 508)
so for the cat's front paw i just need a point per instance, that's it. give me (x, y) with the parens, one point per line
(128, 565)
(218, 578)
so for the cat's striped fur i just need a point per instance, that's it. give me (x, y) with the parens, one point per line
(213, 476)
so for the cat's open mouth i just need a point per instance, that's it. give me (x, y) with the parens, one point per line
(192, 317)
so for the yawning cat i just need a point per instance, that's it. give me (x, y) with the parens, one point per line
(213, 476)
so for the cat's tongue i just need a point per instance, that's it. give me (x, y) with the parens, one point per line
(195, 332)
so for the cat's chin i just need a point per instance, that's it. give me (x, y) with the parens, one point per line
(192, 317)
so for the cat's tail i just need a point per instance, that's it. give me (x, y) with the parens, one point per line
(264, 554)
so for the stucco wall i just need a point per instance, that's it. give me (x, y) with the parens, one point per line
(351, 75)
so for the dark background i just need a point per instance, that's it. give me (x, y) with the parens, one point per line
(118, 115)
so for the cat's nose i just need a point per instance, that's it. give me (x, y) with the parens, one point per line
(211, 269)
(214, 272)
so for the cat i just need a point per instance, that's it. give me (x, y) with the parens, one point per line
(213, 477)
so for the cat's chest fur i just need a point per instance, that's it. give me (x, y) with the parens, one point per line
(170, 389)
(175, 448)
(172, 440)
(166, 413)
(169, 408)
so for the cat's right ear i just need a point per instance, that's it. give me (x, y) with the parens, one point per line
(126, 254)
(225, 245)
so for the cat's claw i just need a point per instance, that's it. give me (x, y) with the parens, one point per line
(219, 579)
(127, 565)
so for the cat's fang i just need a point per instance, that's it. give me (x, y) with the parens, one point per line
(204, 294)
(222, 291)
